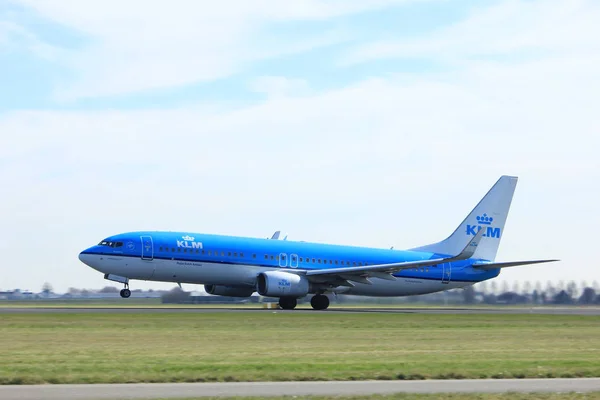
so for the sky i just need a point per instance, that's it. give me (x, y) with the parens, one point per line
(374, 123)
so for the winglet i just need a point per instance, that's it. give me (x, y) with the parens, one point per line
(276, 235)
(471, 247)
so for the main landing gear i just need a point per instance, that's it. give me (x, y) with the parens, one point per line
(288, 303)
(125, 293)
(319, 302)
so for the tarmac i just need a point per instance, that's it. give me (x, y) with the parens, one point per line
(266, 389)
(591, 311)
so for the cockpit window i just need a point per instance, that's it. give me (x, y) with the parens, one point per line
(109, 243)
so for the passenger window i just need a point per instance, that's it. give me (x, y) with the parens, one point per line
(335, 262)
(229, 254)
(266, 257)
(185, 250)
(253, 255)
(330, 262)
(202, 251)
(319, 261)
(222, 254)
(235, 254)
(314, 260)
(209, 252)
(160, 249)
(241, 254)
(300, 259)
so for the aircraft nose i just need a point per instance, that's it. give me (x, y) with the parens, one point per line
(84, 258)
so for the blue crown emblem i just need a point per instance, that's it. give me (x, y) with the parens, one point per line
(484, 219)
(188, 238)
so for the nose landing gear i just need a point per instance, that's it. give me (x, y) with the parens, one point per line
(125, 293)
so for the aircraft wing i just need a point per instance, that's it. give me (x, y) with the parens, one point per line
(495, 265)
(385, 271)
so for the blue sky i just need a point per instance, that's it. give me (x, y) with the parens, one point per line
(337, 121)
(37, 60)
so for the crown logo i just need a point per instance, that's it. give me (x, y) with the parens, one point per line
(188, 238)
(484, 219)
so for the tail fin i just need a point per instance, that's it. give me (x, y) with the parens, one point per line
(490, 214)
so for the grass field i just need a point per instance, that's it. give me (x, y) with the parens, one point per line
(156, 303)
(181, 347)
(437, 396)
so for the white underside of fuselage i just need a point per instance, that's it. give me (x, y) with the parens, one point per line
(195, 272)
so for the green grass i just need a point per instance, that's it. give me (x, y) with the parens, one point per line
(181, 347)
(437, 396)
(156, 303)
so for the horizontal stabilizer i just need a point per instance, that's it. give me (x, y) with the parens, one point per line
(495, 265)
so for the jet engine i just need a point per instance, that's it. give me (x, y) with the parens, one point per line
(282, 284)
(231, 291)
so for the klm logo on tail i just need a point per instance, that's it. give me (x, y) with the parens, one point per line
(484, 222)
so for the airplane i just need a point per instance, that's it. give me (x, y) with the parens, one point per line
(289, 270)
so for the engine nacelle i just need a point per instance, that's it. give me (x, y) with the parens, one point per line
(282, 284)
(231, 291)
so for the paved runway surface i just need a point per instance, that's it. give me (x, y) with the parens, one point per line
(260, 389)
(333, 310)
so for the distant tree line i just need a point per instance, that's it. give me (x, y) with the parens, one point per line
(569, 293)
(492, 292)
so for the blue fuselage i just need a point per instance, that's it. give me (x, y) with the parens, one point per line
(228, 260)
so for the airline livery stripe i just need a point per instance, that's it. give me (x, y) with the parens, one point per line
(259, 265)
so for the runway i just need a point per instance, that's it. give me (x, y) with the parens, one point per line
(264, 389)
(593, 311)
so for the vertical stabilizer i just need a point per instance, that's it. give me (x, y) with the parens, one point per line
(490, 214)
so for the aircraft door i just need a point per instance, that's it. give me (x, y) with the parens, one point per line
(446, 272)
(147, 248)
(293, 260)
(282, 260)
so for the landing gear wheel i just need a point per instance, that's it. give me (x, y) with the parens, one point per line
(288, 303)
(125, 293)
(319, 302)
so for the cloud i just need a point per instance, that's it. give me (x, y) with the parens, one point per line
(279, 86)
(510, 28)
(137, 46)
(14, 38)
